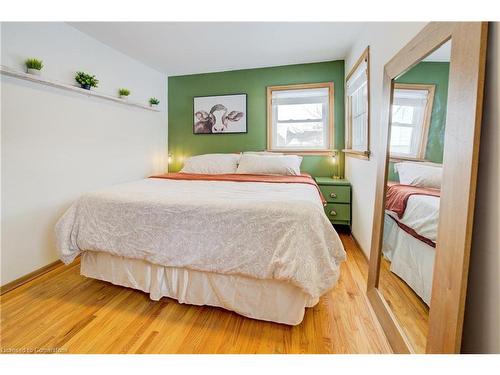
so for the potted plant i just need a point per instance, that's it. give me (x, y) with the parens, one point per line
(153, 102)
(85, 80)
(34, 66)
(123, 93)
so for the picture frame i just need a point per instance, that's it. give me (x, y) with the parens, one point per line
(220, 114)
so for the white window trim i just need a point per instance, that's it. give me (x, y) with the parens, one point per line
(424, 135)
(270, 115)
(362, 154)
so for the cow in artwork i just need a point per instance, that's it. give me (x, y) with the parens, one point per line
(215, 121)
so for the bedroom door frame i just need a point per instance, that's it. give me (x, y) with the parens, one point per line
(460, 161)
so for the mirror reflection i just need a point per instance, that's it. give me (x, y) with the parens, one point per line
(413, 192)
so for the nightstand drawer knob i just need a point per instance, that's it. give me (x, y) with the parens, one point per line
(333, 213)
(333, 195)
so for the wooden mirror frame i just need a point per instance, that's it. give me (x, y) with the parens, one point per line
(460, 159)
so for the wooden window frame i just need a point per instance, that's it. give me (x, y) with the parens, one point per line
(424, 137)
(331, 121)
(365, 154)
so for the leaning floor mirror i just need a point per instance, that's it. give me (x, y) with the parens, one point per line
(426, 187)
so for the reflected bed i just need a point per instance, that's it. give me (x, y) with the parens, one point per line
(410, 233)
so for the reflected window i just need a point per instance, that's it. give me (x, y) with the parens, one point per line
(411, 117)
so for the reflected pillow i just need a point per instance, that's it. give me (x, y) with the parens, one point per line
(270, 164)
(420, 174)
(212, 164)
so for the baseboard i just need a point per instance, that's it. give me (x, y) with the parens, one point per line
(27, 278)
(359, 246)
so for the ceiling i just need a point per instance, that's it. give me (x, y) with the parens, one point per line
(177, 48)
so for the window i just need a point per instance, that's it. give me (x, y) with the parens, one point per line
(411, 116)
(358, 108)
(300, 117)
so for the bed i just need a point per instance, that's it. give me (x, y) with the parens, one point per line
(410, 233)
(260, 246)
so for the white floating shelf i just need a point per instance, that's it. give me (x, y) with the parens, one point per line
(47, 82)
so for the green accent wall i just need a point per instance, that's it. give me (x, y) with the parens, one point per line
(430, 73)
(181, 90)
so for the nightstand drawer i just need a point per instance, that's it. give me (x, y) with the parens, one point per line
(338, 211)
(336, 194)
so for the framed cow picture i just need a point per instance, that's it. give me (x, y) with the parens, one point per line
(221, 114)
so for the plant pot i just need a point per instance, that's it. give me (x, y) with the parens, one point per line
(35, 72)
(123, 97)
(153, 105)
(86, 86)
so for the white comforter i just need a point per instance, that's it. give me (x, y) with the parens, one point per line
(262, 230)
(421, 215)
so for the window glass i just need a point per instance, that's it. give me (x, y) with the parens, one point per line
(357, 111)
(300, 119)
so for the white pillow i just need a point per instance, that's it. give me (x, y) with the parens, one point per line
(420, 174)
(267, 164)
(211, 164)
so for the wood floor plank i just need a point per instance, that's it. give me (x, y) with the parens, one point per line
(64, 310)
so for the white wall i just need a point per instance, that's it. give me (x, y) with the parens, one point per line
(385, 40)
(482, 314)
(56, 144)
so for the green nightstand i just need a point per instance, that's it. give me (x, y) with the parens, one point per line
(337, 193)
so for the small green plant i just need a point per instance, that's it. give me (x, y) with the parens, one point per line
(34, 64)
(86, 80)
(124, 92)
(154, 101)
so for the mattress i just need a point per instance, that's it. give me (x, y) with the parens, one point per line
(268, 300)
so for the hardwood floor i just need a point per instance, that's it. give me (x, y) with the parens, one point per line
(411, 312)
(62, 311)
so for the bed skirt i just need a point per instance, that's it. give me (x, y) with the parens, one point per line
(269, 300)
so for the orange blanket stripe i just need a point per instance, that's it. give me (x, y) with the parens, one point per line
(301, 179)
